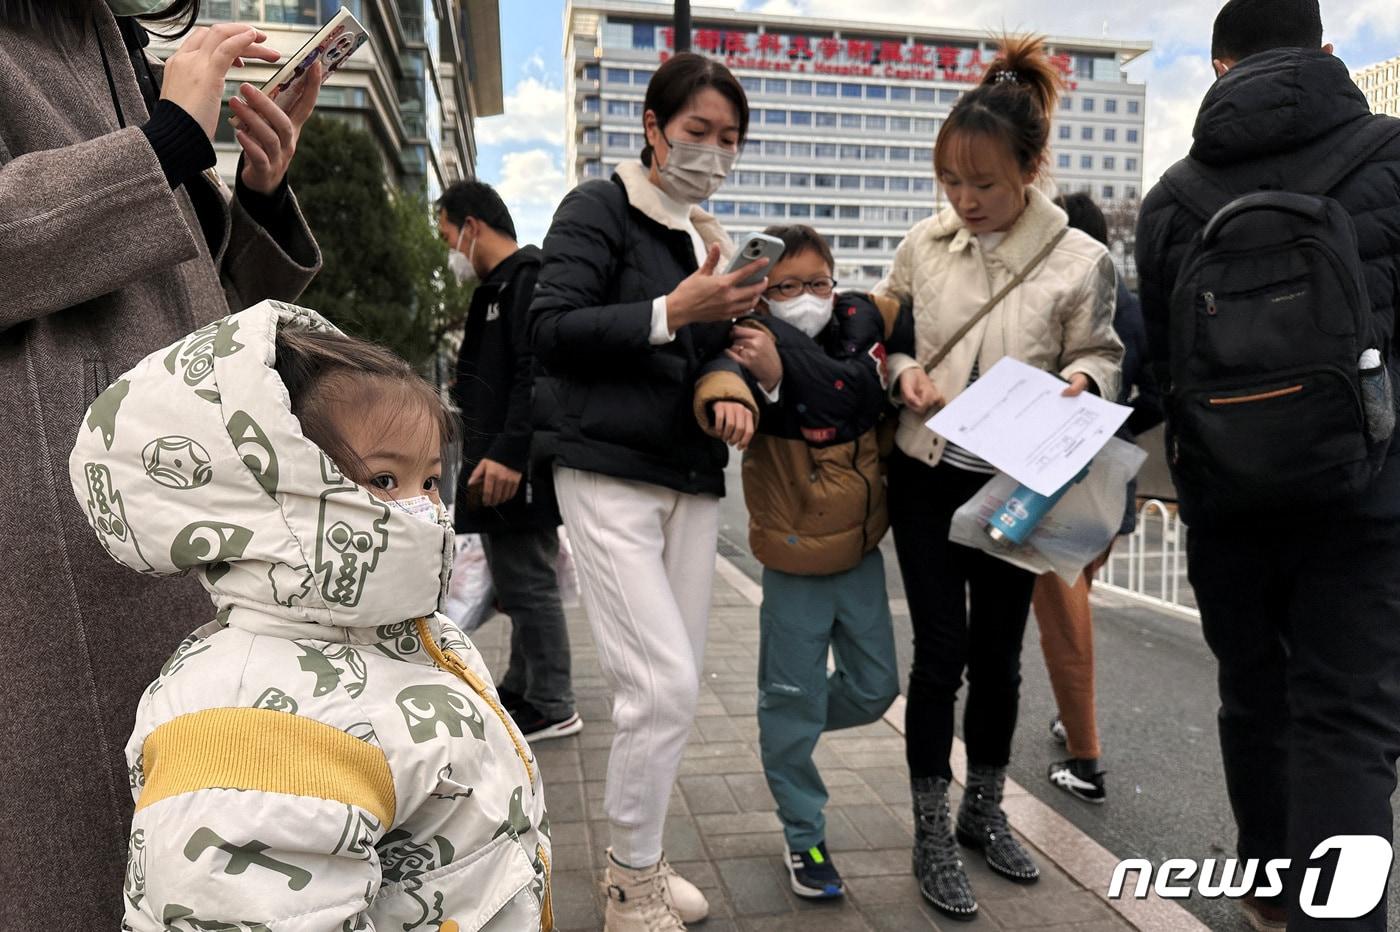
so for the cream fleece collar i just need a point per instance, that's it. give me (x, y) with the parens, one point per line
(646, 197)
(1039, 223)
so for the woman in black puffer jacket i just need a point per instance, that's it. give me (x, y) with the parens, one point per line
(628, 308)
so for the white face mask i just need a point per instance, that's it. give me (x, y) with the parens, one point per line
(136, 7)
(423, 508)
(806, 312)
(461, 265)
(694, 171)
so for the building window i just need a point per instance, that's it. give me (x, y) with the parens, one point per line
(1088, 105)
(619, 76)
(748, 179)
(1110, 105)
(1130, 192)
(899, 124)
(801, 118)
(1130, 165)
(750, 209)
(799, 210)
(875, 123)
(1066, 103)
(826, 119)
(873, 242)
(948, 96)
(874, 183)
(1110, 134)
(619, 107)
(850, 183)
(824, 150)
(875, 92)
(900, 93)
(1133, 106)
(921, 154)
(923, 95)
(1109, 163)
(592, 169)
(899, 153)
(1086, 162)
(643, 36)
(850, 152)
(590, 105)
(591, 136)
(923, 184)
(1087, 133)
(850, 90)
(799, 180)
(619, 140)
(874, 153)
(899, 183)
(775, 179)
(722, 208)
(825, 89)
(925, 126)
(642, 78)
(823, 211)
(1108, 192)
(591, 72)
(848, 212)
(1063, 160)
(1132, 135)
(775, 147)
(801, 88)
(800, 150)
(850, 121)
(775, 210)
(824, 180)
(775, 86)
(751, 85)
(848, 242)
(775, 117)
(1065, 131)
(875, 272)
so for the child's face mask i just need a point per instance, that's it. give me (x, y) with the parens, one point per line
(423, 508)
(806, 312)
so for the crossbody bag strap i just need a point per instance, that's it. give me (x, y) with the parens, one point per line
(996, 299)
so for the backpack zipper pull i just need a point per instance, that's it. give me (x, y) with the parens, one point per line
(1209, 298)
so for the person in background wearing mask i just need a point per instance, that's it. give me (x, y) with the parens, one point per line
(628, 309)
(499, 495)
(814, 364)
(116, 238)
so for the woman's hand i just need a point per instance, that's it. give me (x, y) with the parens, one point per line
(918, 392)
(733, 423)
(706, 297)
(1078, 384)
(194, 75)
(756, 350)
(268, 134)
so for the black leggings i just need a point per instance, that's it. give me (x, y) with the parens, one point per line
(937, 577)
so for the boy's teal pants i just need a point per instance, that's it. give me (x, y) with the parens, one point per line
(803, 616)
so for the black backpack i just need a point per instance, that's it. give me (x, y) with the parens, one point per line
(1268, 323)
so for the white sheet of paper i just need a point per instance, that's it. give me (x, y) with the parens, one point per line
(1015, 417)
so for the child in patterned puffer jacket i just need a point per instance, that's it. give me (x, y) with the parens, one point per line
(328, 753)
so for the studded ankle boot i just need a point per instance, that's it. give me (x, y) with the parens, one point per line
(937, 867)
(982, 826)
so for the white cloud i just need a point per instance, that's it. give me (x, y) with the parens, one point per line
(531, 177)
(534, 112)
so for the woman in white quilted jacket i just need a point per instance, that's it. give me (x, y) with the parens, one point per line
(989, 156)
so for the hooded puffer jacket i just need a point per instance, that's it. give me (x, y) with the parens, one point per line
(329, 752)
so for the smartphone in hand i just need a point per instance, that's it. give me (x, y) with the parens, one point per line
(754, 247)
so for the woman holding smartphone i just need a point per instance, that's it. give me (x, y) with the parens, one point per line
(116, 238)
(629, 306)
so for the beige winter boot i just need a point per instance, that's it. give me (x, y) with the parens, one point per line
(639, 900)
(689, 902)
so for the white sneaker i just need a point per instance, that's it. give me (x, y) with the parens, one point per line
(639, 900)
(690, 903)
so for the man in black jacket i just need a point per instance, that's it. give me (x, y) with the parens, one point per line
(499, 494)
(1302, 610)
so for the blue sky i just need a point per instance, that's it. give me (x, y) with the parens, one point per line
(521, 152)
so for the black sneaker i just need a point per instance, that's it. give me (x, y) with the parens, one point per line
(813, 875)
(536, 727)
(1080, 778)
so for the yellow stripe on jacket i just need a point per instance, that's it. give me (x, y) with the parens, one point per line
(262, 749)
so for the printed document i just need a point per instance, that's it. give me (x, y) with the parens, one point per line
(1015, 417)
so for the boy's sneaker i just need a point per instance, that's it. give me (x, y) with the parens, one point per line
(813, 875)
(1057, 731)
(536, 727)
(1081, 778)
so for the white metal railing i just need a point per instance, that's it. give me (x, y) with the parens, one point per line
(1151, 565)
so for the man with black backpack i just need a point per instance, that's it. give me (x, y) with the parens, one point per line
(1269, 264)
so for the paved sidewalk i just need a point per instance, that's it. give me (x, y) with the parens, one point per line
(723, 835)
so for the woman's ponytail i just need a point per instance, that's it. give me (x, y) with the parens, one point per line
(1023, 62)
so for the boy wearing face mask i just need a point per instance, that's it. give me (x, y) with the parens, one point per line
(814, 363)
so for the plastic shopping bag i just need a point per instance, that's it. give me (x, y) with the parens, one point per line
(470, 594)
(1077, 529)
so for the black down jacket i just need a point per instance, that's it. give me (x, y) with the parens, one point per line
(624, 405)
(1266, 122)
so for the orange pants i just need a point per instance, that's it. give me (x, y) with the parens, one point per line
(1067, 640)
